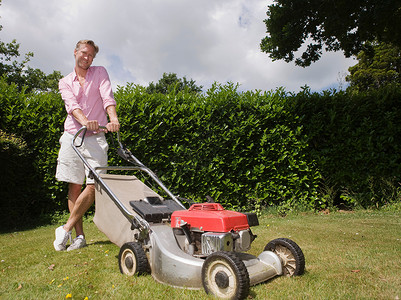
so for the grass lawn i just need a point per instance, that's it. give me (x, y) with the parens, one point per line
(349, 255)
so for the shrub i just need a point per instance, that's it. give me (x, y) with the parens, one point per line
(234, 146)
(247, 150)
(30, 128)
(354, 138)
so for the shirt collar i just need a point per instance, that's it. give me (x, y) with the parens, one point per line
(74, 74)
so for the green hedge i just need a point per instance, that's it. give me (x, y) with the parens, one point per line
(356, 140)
(31, 125)
(245, 149)
(242, 149)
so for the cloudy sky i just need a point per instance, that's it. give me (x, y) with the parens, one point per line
(204, 40)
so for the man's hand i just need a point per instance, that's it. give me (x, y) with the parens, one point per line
(113, 126)
(92, 125)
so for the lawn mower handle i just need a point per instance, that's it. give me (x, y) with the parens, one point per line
(99, 180)
(128, 156)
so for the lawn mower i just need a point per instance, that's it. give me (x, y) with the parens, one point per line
(203, 246)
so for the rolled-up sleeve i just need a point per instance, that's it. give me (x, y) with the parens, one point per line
(105, 88)
(70, 100)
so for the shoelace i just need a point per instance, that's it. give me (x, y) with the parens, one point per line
(67, 237)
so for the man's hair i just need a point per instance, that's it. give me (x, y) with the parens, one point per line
(87, 42)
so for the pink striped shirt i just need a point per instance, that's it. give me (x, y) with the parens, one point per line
(92, 99)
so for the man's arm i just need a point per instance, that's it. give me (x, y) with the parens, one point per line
(91, 125)
(113, 125)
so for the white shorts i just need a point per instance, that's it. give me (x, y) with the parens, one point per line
(70, 168)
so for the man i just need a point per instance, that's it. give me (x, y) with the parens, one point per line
(88, 100)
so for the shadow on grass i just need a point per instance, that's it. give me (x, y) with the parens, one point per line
(253, 294)
(24, 226)
(100, 243)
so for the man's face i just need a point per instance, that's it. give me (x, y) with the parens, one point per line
(84, 56)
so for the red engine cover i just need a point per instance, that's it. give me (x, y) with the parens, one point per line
(210, 217)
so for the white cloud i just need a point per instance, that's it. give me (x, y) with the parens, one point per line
(204, 40)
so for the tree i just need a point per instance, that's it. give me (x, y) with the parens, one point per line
(349, 26)
(37, 80)
(376, 68)
(16, 71)
(169, 81)
(10, 67)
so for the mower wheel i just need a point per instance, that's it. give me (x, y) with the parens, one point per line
(225, 276)
(132, 259)
(291, 255)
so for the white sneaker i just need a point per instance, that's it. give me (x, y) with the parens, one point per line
(77, 243)
(62, 237)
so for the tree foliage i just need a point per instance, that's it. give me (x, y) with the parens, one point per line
(376, 68)
(331, 25)
(15, 70)
(171, 81)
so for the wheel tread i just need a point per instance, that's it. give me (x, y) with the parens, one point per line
(237, 264)
(142, 263)
(295, 250)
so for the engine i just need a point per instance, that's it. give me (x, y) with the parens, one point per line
(207, 227)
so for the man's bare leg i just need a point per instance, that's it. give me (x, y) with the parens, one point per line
(74, 190)
(82, 204)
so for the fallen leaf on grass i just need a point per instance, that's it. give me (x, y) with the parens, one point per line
(19, 287)
(51, 267)
(356, 271)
